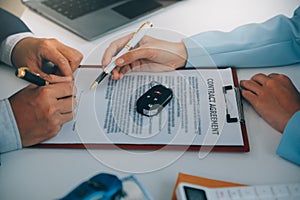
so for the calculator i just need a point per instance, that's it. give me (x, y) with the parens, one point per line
(186, 191)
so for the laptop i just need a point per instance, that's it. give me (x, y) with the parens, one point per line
(91, 19)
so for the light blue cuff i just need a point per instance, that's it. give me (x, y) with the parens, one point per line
(289, 147)
(9, 134)
(197, 55)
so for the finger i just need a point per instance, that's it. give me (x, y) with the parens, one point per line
(113, 48)
(73, 56)
(62, 90)
(59, 60)
(260, 78)
(249, 96)
(251, 86)
(51, 78)
(281, 79)
(136, 66)
(125, 69)
(67, 105)
(273, 75)
(122, 71)
(116, 73)
(66, 117)
(37, 70)
(134, 55)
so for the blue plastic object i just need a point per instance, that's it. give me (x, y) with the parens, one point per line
(101, 187)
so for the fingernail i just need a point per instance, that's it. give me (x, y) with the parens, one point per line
(120, 61)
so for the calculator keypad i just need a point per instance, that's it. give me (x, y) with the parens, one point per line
(263, 192)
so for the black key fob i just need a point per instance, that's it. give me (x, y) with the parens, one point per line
(154, 100)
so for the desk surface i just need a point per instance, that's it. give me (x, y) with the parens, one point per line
(50, 173)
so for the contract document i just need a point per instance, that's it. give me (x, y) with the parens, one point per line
(205, 111)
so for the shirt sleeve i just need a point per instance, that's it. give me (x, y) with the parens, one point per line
(275, 42)
(8, 45)
(10, 25)
(289, 147)
(13, 31)
(9, 134)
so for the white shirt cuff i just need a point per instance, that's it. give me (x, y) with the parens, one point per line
(8, 45)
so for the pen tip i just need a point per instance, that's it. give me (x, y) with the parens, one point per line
(93, 85)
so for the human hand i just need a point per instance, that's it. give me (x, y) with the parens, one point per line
(31, 52)
(40, 112)
(151, 55)
(274, 97)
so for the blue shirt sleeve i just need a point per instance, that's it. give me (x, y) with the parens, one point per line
(275, 42)
(289, 147)
(10, 25)
(9, 133)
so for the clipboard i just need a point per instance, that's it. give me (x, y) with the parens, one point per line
(148, 146)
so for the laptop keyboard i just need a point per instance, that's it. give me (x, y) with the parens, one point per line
(77, 8)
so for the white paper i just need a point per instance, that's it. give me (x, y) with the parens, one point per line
(196, 115)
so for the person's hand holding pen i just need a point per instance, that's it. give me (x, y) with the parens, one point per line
(40, 111)
(130, 44)
(152, 55)
(32, 52)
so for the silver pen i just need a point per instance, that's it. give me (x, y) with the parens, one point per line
(139, 34)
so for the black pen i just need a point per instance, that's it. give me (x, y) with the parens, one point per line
(26, 74)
